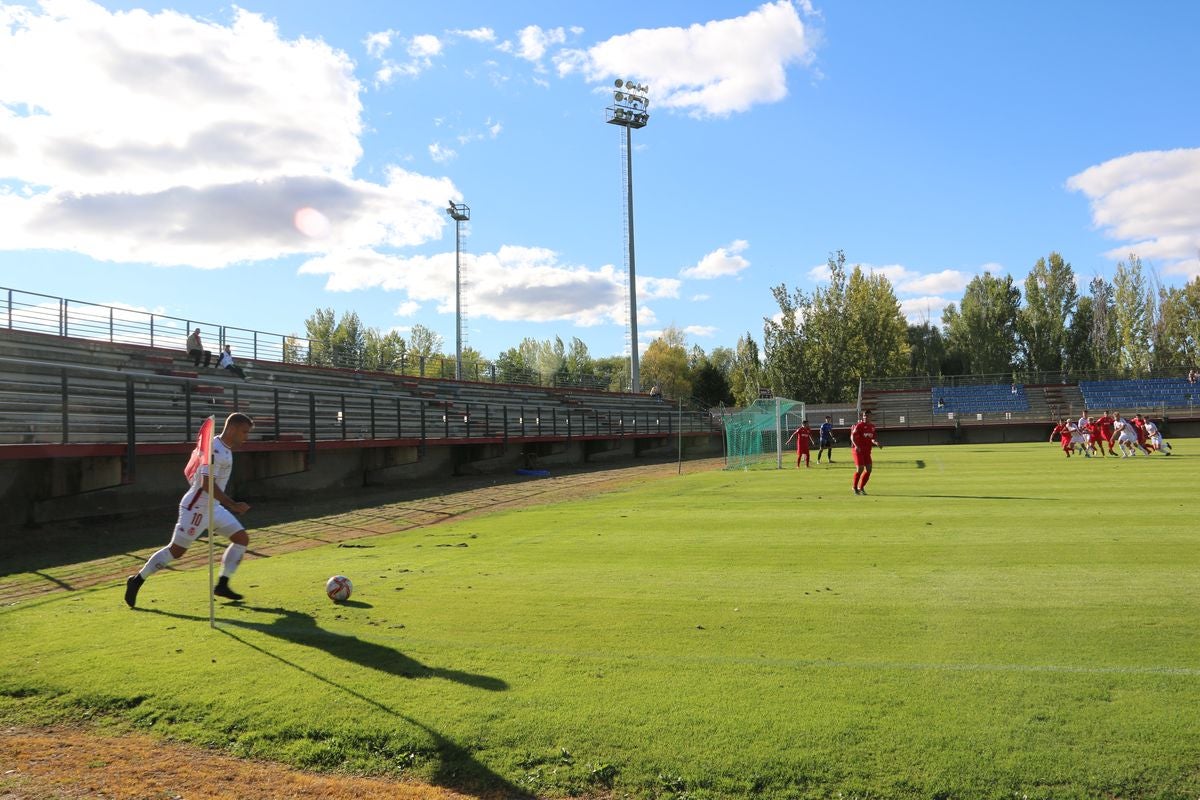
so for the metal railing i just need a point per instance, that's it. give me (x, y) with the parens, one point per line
(59, 316)
(44, 402)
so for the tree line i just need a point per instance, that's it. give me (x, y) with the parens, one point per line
(821, 343)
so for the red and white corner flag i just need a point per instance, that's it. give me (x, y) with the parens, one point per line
(202, 455)
(203, 452)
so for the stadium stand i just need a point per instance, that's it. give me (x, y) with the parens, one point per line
(983, 399)
(1139, 393)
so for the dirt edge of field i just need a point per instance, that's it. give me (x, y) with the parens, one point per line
(73, 762)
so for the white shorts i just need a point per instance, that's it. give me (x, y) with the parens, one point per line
(1155, 440)
(1129, 438)
(193, 520)
(1079, 438)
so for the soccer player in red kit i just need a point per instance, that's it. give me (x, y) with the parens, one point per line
(862, 439)
(1106, 430)
(1063, 431)
(1096, 440)
(804, 440)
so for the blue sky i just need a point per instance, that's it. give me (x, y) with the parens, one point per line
(155, 156)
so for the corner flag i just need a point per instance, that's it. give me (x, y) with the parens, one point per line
(203, 452)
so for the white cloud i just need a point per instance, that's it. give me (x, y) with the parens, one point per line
(515, 283)
(1148, 200)
(702, 331)
(711, 69)
(924, 309)
(420, 51)
(908, 281)
(441, 154)
(164, 139)
(948, 280)
(700, 298)
(722, 262)
(475, 34)
(407, 308)
(533, 41)
(657, 288)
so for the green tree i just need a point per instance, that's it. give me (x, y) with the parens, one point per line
(826, 336)
(1080, 355)
(983, 334)
(746, 374)
(787, 366)
(1103, 339)
(1131, 310)
(665, 363)
(710, 386)
(383, 352)
(878, 331)
(926, 349)
(613, 371)
(513, 366)
(319, 329)
(580, 367)
(1042, 323)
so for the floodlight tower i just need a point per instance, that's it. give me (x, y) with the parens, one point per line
(460, 213)
(630, 110)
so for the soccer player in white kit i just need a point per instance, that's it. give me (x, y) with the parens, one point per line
(1125, 436)
(1080, 436)
(1155, 440)
(193, 514)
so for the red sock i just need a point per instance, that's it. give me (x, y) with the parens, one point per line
(863, 483)
(856, 481)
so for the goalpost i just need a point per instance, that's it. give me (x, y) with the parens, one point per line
(760, 432)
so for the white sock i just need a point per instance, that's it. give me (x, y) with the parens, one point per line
(231, 558)
(156, 562)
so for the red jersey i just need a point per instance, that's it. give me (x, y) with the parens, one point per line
(803, 438)
(1139, 427)
(862, 436)
(1106, 426)
(1062, 430)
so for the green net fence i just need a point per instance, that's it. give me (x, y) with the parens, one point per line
(759, 433)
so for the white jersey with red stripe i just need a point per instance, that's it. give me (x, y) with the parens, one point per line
(222, 458)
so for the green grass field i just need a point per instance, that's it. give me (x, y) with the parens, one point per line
(991, 622)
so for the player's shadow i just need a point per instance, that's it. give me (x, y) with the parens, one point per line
(300, 628)
(456, 767)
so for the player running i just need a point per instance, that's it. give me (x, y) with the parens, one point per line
(1154, 438)
(193, 514)
(1106, 431)
(862, 439)
(1063, 430)
(1125, 435)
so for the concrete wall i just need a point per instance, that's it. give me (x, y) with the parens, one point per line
(43, 491)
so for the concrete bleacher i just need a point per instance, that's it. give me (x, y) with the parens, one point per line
(1140, 393)
(57, 389)
(983, 399)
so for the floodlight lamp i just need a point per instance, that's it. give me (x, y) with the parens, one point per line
(629, 83)
(618, 83)
(619, 96)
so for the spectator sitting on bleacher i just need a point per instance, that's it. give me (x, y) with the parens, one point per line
(226, 362)
(941, 403)
(195, 349)
(656, 392)
(1193, 376)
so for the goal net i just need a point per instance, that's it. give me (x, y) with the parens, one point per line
(758, 434)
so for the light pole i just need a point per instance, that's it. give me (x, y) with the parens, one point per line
(630, 110)
(460, 213)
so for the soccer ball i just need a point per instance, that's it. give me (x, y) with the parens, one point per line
(339, 588)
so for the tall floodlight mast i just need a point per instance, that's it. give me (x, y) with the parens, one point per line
(460, 213)
(630, 109)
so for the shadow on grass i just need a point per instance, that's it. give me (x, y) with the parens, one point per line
(969, 496)
(456, 767)
(300, 628)
(77, 541)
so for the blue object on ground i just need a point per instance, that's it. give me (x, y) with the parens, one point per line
(535, 473)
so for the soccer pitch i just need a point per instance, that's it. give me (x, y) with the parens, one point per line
(991, 621)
